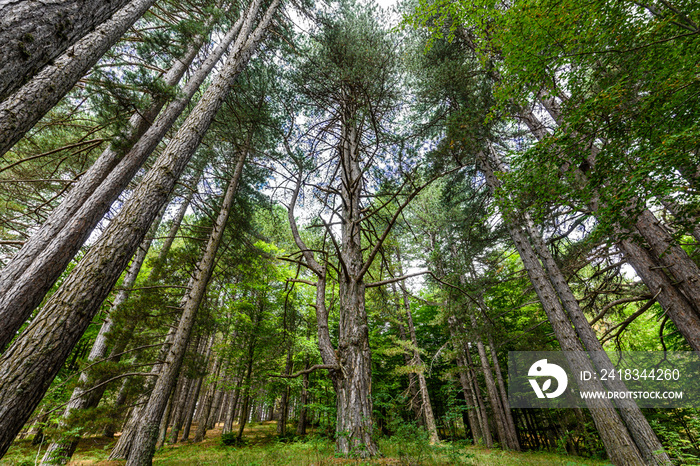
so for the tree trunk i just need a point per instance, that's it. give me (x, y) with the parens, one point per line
(163, 430)
(642, 433)
(617, 440)
(181, 408)
(231, 413)
(30, 364)
(284, 402)
(37, 266)
(60, 452)
(144, 444)
(20, 111)
(301, 422)
(417, 362)
(123, 446)
(208, 402)
(469, 398)
(482, 413)
(491, 391)
(681, 307)
(34, 33)
(513, 432)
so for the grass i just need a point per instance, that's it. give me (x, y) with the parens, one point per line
(263, 449)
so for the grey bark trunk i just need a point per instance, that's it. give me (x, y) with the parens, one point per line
(491, 391)
(36, 267)
(208, 402)
(60, 452)
(615, 436)
(482, 413)
(123, 446)
(417, 362)
(646, 440)
(143, 447)
(469, 397)
(34, 33)
(30, 364)
(20, 111)
(680, 300)
(353, 389)
(513, 433)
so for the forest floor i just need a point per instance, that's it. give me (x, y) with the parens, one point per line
(262, 448)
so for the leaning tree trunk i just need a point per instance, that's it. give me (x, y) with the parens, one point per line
(89, 181)
(504, 395)
(479, 400)
(60, 451)
(417, 362)
(143, 447)
(642, 433)
(615, 436)
(22, 110)
(36, 267)
(34, 33)
(207, 403)
(30, 364)
(678, 299)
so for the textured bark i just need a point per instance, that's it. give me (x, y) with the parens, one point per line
(60, 452)
(680, 300)
(615, 436)
(180, 408)
(37, 266)
(642, 433)
(207, 404)
(416, 361)
(492, 393)
(143, 447)
(510, 423)
(284, 402)
(194, 401)
(20, 111)
(163, 430)
(30, 364)
(483, 415)
(469, 397)
(123, 446)
(231, 413)
(353, 389)
(34, 33)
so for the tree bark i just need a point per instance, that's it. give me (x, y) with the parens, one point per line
(30, 364)
(22, 110)
(469, 398)
(37, 266)
(615, 436)
(144, 444)
(34, 33)
(60, 452)
(513, 432)
(648, 443)
(416, 361)
(491, 391)
(208, 402)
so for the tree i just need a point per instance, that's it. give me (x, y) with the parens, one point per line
(34, 34)
(65, 316)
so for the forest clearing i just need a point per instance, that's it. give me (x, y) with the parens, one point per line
(350, 232)
(263, 449)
